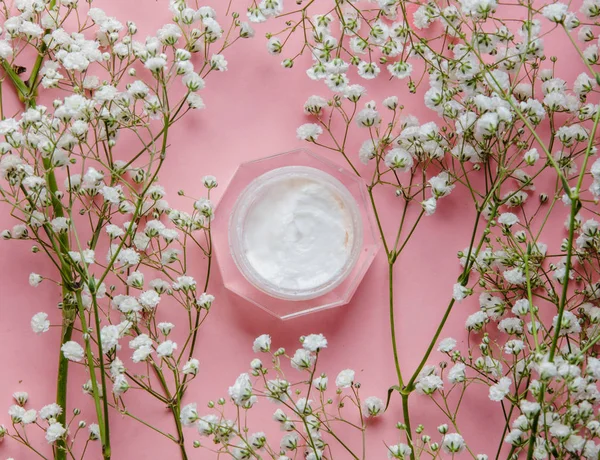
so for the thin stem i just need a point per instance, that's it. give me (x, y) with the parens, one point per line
(393, 323)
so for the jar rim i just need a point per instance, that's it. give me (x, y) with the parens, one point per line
(249, 196)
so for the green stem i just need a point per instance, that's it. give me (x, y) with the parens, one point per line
(406, 416)
(174, 403)
(62, 378)
(393, 324)
(69, 310)
(106, 450)
(93, 378)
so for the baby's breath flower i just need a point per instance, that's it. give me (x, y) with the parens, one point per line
(309, 132)
(373, 406)
(72, 351)
(40, 323)
(453, 443)
(447, 345)
(262, 344)
(55, 432)
(345, 378)
(314, 342)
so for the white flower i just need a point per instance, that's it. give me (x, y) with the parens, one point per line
(195, 101)
(114, 231)
(20, 397)
(72, 351)
(514, 276)
(508, 219)
(141, 353)
(109, 337)
(184, 283)
(500, 390)
(514, 347)
(560, 431)
(218, 62)
(241, 391)
(6, 50)
(309, 132)
(205, 300)
(128, 256)
(345, 378)
(353, 92)
(457, 373)
(165, 327)
(555, 12)
(209, 181)
(440, 185)
(399, 158)
(138, 89)
(529, 408)
(447, 345)
(476, 321)
(149, 299)
(453, 443)
(274, 45)
(166, 348)
(547, 370)
(368, 117)
(40, 323)
(400, 69)
(16, 413)
(399, 451)
(302, 359)
(367, 151)
(35, 279)
(314, 342)
(94, 430)
(314, 105)
(320, 383)
(460, 292)
(246, 30)
(368, 70)
(206, 424)
(429, 206)
(50, 411)
(189, 414)
(429, 384)
(55, 432)
(289, 442)
(120, 385)
(511, 326)
(136, 280)
(191, 367)
(391, 102)
(373, 406)
(262, 344)
(569, 323)
(155, 64)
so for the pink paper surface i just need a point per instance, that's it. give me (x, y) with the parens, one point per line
(252, 111)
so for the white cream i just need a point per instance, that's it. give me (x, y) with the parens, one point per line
(298, 234)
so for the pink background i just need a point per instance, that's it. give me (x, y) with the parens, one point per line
(252, 111)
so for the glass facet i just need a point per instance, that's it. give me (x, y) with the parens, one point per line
(233, 279)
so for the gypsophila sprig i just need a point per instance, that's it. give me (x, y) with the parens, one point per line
(308, 414)
(503, 117)
(93, 205)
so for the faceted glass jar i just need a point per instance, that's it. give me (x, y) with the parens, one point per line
(227, 228)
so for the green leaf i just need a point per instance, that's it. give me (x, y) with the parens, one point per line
(389, 396)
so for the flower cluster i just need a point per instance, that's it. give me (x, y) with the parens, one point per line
(503, 118)
(81, 177)
(305, 413)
